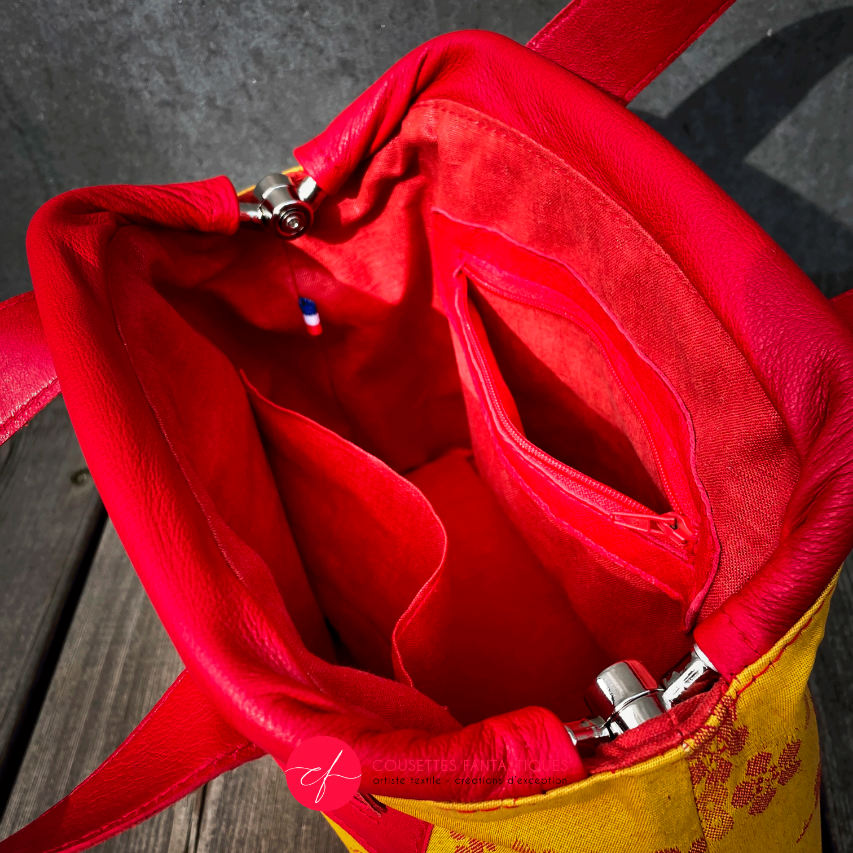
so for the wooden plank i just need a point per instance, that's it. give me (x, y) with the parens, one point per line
(251, 809)
(832, 690)
(49, 513)
(116, 662)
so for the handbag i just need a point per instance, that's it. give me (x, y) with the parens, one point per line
(494, 448)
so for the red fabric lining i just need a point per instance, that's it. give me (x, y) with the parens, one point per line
(493, 631)
(590, 424)
(346, 510)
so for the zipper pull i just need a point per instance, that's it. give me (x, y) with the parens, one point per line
(670, 525)
(372, 803)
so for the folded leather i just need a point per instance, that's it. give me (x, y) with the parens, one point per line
(27, 378)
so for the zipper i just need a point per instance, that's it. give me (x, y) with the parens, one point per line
(670, 528)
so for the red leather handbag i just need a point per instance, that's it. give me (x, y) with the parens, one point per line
(497, 397)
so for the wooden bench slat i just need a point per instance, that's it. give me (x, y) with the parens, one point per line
(251, 809)
(49, 513)
(116, 662)
(832, 691)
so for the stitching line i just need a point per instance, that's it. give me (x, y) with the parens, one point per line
(545, 37)
(153, 801)
(650, 75)
(26, 402)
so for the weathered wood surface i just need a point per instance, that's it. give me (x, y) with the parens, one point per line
(49, 514)
(251, 809)
(832, 690)
(115, 664)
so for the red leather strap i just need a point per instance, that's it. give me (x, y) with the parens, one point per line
(843, 304)
(622, 45)
(181, 744)
(27, 377)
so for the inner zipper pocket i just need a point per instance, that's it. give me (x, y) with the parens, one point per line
(669, 529)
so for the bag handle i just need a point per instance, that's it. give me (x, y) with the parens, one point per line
(622, 45)
(27, 377)
(181, 744)
(843, 304)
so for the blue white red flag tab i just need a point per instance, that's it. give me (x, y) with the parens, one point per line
(310, 315)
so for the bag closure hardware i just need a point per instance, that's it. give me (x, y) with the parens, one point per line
(287, 203)
(625, 695)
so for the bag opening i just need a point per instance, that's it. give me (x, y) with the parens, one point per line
(369, 432)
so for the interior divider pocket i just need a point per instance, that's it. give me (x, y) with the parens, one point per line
(423, 578)
(368, 538)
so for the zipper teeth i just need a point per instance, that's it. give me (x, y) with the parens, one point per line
(675, 503)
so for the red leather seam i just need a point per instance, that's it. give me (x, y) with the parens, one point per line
(142, 726)
(157, 801)
(14, 300)
(176, 457)
(552, 29)
(26, 402)
(781, 651)
(638, 86)
(746, 640)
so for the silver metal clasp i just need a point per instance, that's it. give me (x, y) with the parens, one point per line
(286, 202)
(694, 675)
(625, 695)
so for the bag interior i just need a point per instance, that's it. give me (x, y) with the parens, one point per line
(508, 460)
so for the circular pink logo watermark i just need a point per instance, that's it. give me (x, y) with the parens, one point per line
(323, 773)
